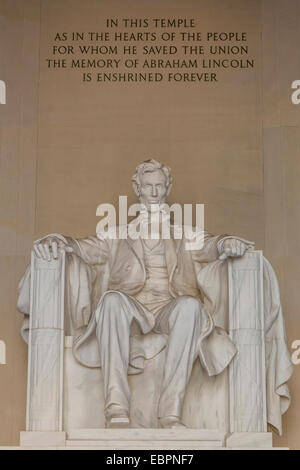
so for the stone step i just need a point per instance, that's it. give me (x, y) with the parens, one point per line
(143, 439)
(158, 439)
(144, 444)
(140, 434)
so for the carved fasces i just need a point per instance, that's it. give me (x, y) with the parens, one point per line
(247, 373)
(46, 345)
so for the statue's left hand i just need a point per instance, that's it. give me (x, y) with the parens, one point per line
(234, 248)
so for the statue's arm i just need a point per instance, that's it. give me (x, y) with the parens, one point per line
(209, 251)
(220, 247)
(93, 250)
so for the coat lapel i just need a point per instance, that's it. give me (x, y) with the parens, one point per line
(137, 248)
(172, 246)
(136, 244)
(171, 257)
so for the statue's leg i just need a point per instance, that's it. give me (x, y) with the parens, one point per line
(184, 323)
(113, 334)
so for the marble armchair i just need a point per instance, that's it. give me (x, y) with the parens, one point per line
(63, 395)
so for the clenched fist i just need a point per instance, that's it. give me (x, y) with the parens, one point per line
(234, 248)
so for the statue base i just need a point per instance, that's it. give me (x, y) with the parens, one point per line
(158, 439)
(145, 439)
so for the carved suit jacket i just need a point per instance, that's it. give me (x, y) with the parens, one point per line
(121, 262)
(118, 264)
(99, 264)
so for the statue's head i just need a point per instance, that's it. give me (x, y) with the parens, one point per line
(152, 182)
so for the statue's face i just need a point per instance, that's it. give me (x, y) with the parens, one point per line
(153, 188)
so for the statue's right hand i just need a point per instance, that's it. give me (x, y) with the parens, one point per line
(49, 247)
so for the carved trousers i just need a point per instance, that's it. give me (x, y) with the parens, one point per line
(181, 318)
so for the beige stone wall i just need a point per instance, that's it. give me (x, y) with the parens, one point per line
(67, 146)
(281, 147)
(19, 31)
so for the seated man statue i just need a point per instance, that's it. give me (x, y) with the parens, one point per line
(144, 285)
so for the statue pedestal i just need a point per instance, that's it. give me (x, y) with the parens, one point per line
(158, 439)
(145, 439)
(42, 439)
(122, 439)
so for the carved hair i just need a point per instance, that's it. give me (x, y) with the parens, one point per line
(148, 166)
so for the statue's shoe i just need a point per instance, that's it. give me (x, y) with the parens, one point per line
(118, 421)
(171, 422)
(116, 417)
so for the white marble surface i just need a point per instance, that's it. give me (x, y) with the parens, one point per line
(250, 439)
(213, 435)
(83, 393)
(247, 373)
(38, 438)
(114, 439)
(46, 345)
(205, 405)
(127, 438)
(206, 399)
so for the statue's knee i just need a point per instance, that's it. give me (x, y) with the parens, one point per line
(111, 299)
(109, 307)
(188, 309)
